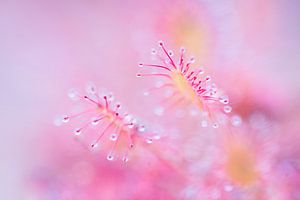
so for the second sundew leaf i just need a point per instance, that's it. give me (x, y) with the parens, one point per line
(105, 125)
(189, 85)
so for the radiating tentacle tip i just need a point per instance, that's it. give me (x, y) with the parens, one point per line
(110, 157)
(125, 159)
(113, 137)
(207, 78)
(141, 128)
(130, 125)
(138, 75)
(65, 119)
(140, 65)
(171, 53)
(149, 140)
(227, 109)
(215, 125)
(192, 60)
(94, 145)
(95, 121)
(182, 49)
(153, 51)
(91, 88)
(224, 99)
(77, 131)
(160, 43)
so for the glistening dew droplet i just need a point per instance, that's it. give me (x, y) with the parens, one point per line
(141, 128)
(94, 145)
(91, 88)
(65, 119)
(73, 94)
(236, 120)
(215, 125)
(227, 109)
(77, 131)
(109, 157)
(113, 137)
(149, 140)
(125, 159)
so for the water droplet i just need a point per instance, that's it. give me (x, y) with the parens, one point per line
(204, 123)
(65, 119)
(227, 109)
(113, 137)
(182, 49)
(77, 131)
(109, 157)
(95, 121)
(192, 60)
(236, 120)
(201, 71)
(142, 128)
(156, 137)
(94, 145)
(171, 53)
(91, 88)
(130, 126)
(118, 105)
(73, 94)
(160, 43)
(110, 97)
(125, 159)
(207, 78)
(128, 118)
(153, 51)
(149, 140)
(215, 125)
(224, 99)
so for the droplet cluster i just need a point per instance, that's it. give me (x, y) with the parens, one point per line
(120, 127)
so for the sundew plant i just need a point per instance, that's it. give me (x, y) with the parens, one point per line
(223, 158)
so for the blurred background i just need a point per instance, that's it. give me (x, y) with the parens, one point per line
(47, 47)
